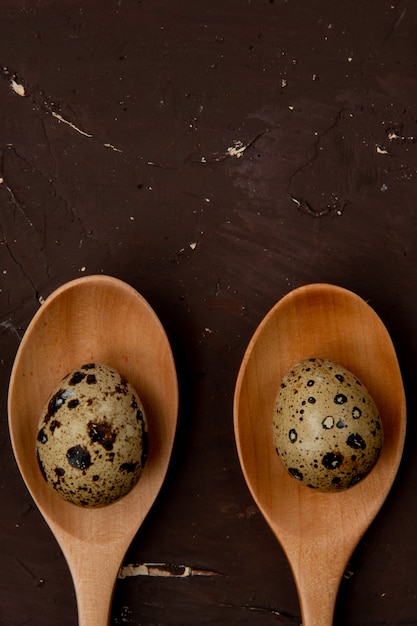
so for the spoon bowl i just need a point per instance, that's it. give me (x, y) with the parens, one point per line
(317, 531)
(94, 319)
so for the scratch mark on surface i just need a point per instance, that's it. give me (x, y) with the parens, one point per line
(259, 609)
(73, 126)
(112, 147)
(22, 269)
(38, 581)
(162, 570)
(396, 23)
(48, 107)
(7, 325)
(31, 167)
(11, 193)
(25, 569)
(217, 288)
(336, 205)
(62, 119)
(315, 148)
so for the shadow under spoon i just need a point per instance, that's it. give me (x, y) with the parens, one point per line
(94, 319)
(317, 531)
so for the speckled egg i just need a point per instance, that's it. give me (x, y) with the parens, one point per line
(92, 437)
(326, 426)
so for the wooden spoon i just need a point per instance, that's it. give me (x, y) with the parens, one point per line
(317, 531)
(102, 319)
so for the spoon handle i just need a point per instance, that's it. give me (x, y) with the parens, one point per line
(94, 570)
(317, 571)
(317, 604)
(94, 603)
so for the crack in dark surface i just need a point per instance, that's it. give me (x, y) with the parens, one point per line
(42, 104)
(235, 151)
(270, 611)
(31, 168)
(396, 24)
(22, 269)
(9, 191)
(336, 206)
(31, 221)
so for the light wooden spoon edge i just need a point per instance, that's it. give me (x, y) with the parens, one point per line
(328, 321)
(102, 319)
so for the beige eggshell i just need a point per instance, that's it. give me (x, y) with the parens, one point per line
(326, 427)
(92, 436)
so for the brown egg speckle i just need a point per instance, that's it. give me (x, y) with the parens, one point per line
(326, 426)
(92, 437)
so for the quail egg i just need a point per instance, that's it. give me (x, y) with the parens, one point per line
(92, 437)
(326, 427)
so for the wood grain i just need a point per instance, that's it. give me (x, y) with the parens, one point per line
(317, 531)
(102, 319)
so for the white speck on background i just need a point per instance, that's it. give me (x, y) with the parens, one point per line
(393, 135)
(17, 88)
(237, 149)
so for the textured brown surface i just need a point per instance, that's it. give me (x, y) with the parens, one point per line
(214, 155)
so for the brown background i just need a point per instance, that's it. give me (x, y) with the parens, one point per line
(118, 159)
